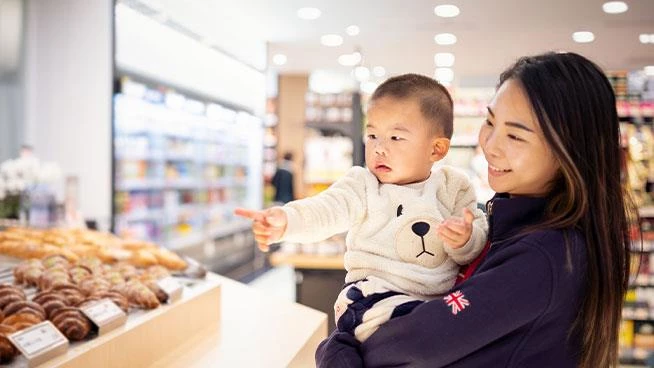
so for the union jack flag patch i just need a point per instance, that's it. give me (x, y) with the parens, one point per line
(456, 301)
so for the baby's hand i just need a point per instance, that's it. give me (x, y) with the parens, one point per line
(269, 224)
(456, 231)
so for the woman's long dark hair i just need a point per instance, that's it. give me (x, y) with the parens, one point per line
(575, 107)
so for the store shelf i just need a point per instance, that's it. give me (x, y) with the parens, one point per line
(646, 211)
(196, 238)
(345, 128)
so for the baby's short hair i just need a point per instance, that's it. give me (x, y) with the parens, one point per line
(435, 101)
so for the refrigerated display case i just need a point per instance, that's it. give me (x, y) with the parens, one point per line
(181, 166)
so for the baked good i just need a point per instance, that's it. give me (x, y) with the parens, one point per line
(27, 271)
(139, 295)
(22, 320)
(168, 259)
(72, 323)
(24, 306)
(72, 293)
(119, 299)
(50, 301)
(79, 272)
(55, 260)
(10, 294)
(94, 284)
(7, 349)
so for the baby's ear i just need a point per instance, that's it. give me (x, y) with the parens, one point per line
(440, 146)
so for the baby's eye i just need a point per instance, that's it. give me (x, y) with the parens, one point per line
(372, 136)
(399, 210)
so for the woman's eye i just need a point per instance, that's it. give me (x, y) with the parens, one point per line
(515, 138)
(488, 122)
(396, 138)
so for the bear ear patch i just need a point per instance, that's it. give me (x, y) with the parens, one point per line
(399, 210)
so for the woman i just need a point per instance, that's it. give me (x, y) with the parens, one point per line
(548, 292)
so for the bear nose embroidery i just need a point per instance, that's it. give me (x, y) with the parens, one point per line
(420, 228)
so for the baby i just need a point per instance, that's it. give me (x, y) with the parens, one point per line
(409, 226)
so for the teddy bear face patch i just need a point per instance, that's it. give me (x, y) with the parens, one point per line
(416, 239)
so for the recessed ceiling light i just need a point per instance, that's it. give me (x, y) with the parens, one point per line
(350, 59)
(444, 39)
(643, 38)
(279, 59)
(444, 75)
(583, 37)
(379, 71)
(309, 13)
(446, 11)
(615, 7)
(331, 40)
(649, 70)
(444, 59)
(352, 30)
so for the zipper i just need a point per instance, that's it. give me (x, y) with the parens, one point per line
(489, 211)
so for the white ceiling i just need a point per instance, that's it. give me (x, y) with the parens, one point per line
(399, 34)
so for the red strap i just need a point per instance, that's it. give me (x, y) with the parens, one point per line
(466, 271)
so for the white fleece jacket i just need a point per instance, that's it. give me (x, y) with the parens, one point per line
(392, 228)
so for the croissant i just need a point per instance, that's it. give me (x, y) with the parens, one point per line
(52, 277)
(10, 295)
(154, 287)
(139, 295)
(72, 323)
(26, 271)
(119, 299)
(79, 272)
(7, 349)
(22, 320)
(72, 293)
(93, 264)
(55, 260)
(50, 301)
(24, 306)
(92, 284)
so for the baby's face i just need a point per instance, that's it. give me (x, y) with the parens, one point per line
(399, 141)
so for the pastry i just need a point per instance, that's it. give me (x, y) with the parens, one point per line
(20, 321)
(72, 293)
(50, 301)
(72, 323)
(7, 349)
(94, 284)
(119, 299)
(79, 272)
(24, 306)
(10, 294)
(24, 268)
(139, 295)
(55, 260)
(169, 259)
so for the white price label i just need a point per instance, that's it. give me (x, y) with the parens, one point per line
(171, 287)
(103, 311)
(38, 339)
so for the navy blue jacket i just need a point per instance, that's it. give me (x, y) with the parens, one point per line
(521, 303)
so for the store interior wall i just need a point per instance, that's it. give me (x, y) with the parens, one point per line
(68, 87)
(12, 18)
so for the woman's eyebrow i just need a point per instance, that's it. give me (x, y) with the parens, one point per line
(511, 123)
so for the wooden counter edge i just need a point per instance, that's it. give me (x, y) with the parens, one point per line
(308, 261)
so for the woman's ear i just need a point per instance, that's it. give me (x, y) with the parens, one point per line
(439, 148)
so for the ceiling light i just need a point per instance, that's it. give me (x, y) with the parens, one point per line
(444, 39)
(444, 59)
(361, 73)
(644, 38)
(446, 11)
(615, 7)
(368, 87)
(350, 59)
(331, 40)
(444, 75)
(583, 37)
(649, 70)
(352, 30)
(379, 71)
(309, 13)
(279, 59)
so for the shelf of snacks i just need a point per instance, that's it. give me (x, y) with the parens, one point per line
(181, 165)
(62, 275)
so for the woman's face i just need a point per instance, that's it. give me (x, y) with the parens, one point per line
(519, 160)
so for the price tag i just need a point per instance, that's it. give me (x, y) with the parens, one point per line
(105, 314)
(40, 342)
(171, 287)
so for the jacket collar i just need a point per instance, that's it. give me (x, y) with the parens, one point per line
(508, 216)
